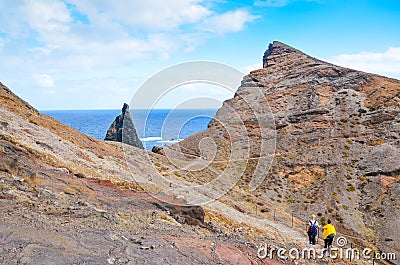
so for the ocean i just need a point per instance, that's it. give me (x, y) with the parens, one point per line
(160, 127)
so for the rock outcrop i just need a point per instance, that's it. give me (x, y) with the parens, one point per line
(190, 214)
(337, 144)
(123, 130)
(157, 149)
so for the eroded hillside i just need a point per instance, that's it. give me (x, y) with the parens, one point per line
(335, 151)
(67, 198)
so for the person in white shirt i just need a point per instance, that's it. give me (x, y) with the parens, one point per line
(312, 230)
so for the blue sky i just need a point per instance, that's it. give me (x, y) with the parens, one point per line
(94, 54)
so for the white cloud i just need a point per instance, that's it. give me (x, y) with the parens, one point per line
(281, 3)
(46, 15)
(114, 32)
(248, 68)
(93, 37)
(231, 21)
(150, 14)
(386, 63)
(44, 80)
(193, 40)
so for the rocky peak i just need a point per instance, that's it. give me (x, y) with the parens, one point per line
(336, 145)
(124, 108)
(123, 130)
(280, 54)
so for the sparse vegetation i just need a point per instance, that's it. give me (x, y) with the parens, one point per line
(8, 138)
(362, 178)
(350, 187)
(339, 218)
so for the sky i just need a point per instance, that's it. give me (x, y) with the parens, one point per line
(94, 54)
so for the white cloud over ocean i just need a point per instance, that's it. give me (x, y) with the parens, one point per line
(89, 34)
(76, 41)
(44, 80)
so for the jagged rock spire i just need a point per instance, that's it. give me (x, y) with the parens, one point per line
(123, 130)
(280, 54)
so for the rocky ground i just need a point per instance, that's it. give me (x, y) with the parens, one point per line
(53, 217)
(327, 143)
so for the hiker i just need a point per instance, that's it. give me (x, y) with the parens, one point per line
(312, 229)
(328, 234)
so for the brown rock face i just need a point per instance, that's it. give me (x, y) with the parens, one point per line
(192, 215)
(337, 143)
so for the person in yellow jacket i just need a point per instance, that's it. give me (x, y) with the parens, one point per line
(328, 234)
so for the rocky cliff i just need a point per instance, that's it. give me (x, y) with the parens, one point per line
(123, 130)
(335, 151)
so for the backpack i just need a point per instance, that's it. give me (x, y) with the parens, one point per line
(313, 228)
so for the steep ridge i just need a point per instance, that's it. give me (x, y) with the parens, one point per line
(12, 103)
(336, 145)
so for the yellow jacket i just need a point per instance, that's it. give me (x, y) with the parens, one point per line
(328, 229)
